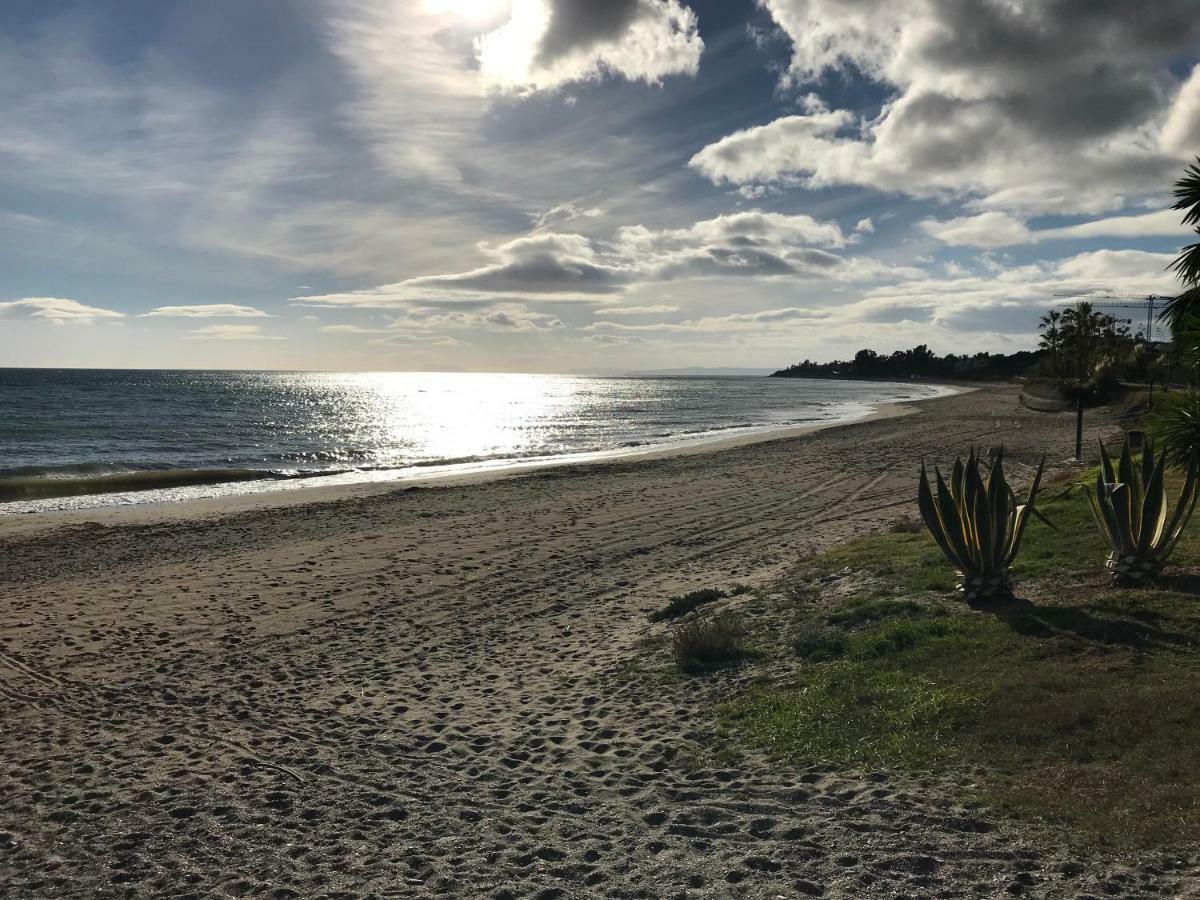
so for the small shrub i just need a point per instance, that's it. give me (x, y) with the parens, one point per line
(907, 525)
(702, 645)
(681, 606)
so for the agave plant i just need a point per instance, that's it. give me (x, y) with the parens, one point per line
(1130, 505)
(977, 523)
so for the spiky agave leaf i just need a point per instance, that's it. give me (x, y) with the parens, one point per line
(1186, 505)
(1152, 516)
(976, 522)
(933, 521)
(1021, 516)
(1102, 511)
(1132, 513)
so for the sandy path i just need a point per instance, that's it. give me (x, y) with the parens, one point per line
(418, 693)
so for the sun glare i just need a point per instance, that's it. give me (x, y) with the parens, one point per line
(473, 12)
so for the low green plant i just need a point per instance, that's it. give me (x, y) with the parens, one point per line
(703, 645)
(682, 605)
(977, 523)
(1131, 508)
(821, 645)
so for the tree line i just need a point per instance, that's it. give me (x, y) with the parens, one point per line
(919, 362)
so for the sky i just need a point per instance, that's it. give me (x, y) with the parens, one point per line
(577, 185)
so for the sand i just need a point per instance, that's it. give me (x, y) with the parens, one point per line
(423, 691)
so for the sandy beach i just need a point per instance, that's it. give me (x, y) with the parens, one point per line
(421, 691)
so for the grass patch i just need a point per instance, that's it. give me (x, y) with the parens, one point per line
(677, 607)
(863, 612)
(904, 562)
(851, 714)
(822, 645)
(1082, 710)
(704, 645)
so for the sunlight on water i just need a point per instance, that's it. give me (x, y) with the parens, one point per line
(79, 432)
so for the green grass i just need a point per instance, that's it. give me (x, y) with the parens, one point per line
(1080, 710)
(860, 612)
(678, 607)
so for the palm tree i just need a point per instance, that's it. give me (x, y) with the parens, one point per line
(1187, 264)
(1081, 332)
(1052, 338)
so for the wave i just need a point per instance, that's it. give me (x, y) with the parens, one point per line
(63, 483)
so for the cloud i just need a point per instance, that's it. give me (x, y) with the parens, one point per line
(351, 329)
(565, 212)
(735, 245)
(540, 264)
(636, 310)
(1181, 132)
(550, 43)
(1009, 301)
(55, 309)
(989, 229)
(425, 325)
(207, 311)
(1042, 105)
(997, 229)
(232, 333)
(1120, 266)
(550, 266)
(865, 226)
(419, 342)
(734, 322)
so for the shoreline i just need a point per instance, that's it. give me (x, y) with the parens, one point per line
(269, 493)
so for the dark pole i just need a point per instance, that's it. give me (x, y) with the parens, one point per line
(1079, 426)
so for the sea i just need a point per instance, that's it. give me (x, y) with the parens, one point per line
(77, 439)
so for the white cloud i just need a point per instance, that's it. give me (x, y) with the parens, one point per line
(636, 310)
(1181, 133)
(989, 229)
(550, 43)
(865, 226)
(1033, 106)
(997, 229)
(207, 311)
(55, 309)
(1127, 269)
(565, 212)
(564, 264)
(550, 266)
(728, 324)
(232, 333)
(351, 329)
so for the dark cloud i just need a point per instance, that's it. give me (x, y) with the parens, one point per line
(539, 274)
(1039, 105)
(581, 24)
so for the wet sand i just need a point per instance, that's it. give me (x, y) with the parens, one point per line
(423, 691)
